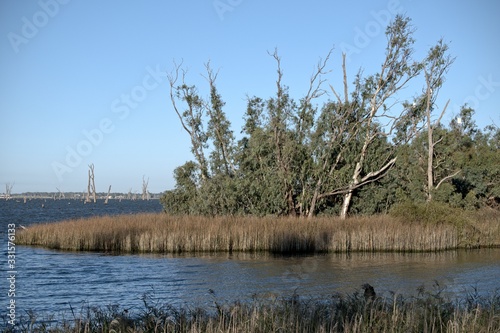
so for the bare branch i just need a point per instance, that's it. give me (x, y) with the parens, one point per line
(346, 87)
(212, 77)
(191, 119)
(441, 115)
(172, 78)
(383, 169)
(336, 95)
(438, 141)
(369, 178)
(447, 177)
(316, 82)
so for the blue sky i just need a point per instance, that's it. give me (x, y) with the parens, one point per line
(84, 81)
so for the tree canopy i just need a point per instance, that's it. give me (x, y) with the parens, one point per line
(360, 151)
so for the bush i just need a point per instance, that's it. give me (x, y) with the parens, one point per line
(429, 213)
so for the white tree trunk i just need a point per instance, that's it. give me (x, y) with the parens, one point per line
(345, 205)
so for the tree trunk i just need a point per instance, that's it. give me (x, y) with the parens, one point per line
(145, 193)
(314, 199)
(430, 157)
(345, 205)
(91, 185)
(290, 202)
(107, 196)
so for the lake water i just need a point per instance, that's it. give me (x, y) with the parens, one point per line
(54, 282)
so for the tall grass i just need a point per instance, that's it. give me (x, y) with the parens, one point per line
(161, 233)
(427, 312)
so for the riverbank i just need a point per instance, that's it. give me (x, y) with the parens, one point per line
(162, 233)
(426, 312)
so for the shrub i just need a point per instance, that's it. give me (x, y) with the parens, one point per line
(432, 213)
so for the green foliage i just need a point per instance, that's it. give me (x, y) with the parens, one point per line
(433, 213)
(179, 200)
(360, 151)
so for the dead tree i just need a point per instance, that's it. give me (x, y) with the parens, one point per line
(91, 185)
(61, 194)
(8, 190)
(107, 196)
(145, 193)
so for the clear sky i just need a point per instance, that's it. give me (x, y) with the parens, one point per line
(84, 81)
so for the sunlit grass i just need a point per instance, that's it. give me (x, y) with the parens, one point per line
(161, 233)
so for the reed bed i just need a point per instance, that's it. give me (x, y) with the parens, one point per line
(161, 233)
(427, 312)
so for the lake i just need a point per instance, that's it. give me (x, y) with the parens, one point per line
(54, 282)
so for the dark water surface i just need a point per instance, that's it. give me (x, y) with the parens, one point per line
(48, 210)
(54, 282)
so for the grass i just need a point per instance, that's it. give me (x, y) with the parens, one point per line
(427, 312)
(161, 233)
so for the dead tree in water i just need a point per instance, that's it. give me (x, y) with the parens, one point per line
(107, 196)
(8, 190)
(61, 194)
(145, 193)
(91, 186)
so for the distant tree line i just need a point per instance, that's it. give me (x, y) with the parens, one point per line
(359, 152)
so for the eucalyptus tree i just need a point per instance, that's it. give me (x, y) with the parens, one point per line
(212, 144)
(181, 200)
(300, 158)
(356, 121)
(280, 110)
(274, 153)
(437, 65)
(477, 154)
(191, 117)
(461, 146)
(219, 130)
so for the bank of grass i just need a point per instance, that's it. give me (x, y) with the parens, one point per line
(427, 312)
(406, 229)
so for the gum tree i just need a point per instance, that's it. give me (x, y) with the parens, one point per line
(437, 65)
(192, 117)
(203, 185)
(358, 121)
(298, 158)
(275, 159)
(219, 130)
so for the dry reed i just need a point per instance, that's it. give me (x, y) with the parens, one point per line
(161, 233)
(427, 312)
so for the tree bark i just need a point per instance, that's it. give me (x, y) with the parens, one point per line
(145, 194)
(430, 153)
(437, 64)
(91, 185)
(107, 196)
